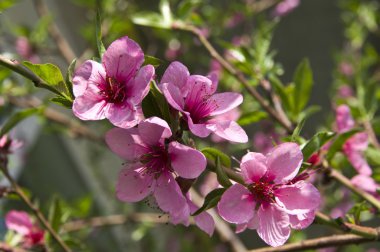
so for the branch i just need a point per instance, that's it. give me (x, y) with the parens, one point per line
(55, 33)
(347, 183)
(35, 209)
(323, 242)
(283, 120)
(371, 134)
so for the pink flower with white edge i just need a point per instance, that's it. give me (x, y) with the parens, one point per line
(115, 88)
(194, 96)
(355, 146)
(273, 199)
(285, 7)
(153, 163)
(21, 223)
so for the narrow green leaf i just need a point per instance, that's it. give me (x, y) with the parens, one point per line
(55, 214)
(303, 80)
(150, 19)
(62, 101)
(282, 92)
(298, 129)
(16, 118)
(98, 34)
(155, 104)
(315, 143)
(221, 175)
(150, 60)
(212, 154)
(252, 117)
(211, 200)
(338, 143)
(52, 77)
(373, 156)
(5, 4)
(166, 12)
(69, 77)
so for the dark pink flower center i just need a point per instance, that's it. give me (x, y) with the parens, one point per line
(155, 161)
(200, 104)
(262, 191)
(114, 91)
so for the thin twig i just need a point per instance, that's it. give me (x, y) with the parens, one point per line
(323, 242)
(35, 209)
(347, 183)
(283, 120)
(63, 45)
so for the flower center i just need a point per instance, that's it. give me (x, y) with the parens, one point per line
(114, 91)
(262, 191)
(155, 161)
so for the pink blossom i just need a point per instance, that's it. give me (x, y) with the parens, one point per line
(115, 88)
(366, 183)
(285, 7)
(8, 146)
(234, 20)
(346, 69)
(21, 223)
(355, 146)
(153, 163)
(194, 96)
(273, 199)
(345, 91)
(26, 50)
(232, 115)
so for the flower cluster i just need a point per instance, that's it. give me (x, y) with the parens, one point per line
(158, 160)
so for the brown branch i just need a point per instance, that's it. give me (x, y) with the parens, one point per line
(283, 120)
(371, 134)
(35, 209)
(323, 242)
(63, 45)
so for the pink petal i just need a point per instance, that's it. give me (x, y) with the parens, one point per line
(365, 183)
(203, 220)
(301, 221)
(176, 74)
(236, 205)
(125, 143)
(138, 88)
(153, 129)
(200, 130)
(90, 105)
(284, 161)
(170, 199)
(133, 184)
(122, 115)
(214, 77)
(228, 130)
(187, 162)
(359, 141)
(89, 71)
(19, 221)
(122, 59)
(357, 160)
(200, 87)
(174, 96)
(253, 167)
(344, 121)
(273, 225)
(299, 198)
(225, 102)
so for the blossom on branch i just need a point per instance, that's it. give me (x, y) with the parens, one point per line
(194, 96)
(115, 88)
(153, 163)
(273, 199)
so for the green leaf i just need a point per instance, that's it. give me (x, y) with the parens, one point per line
(16, 118)
(221, 175)
(98, 34)
(69, 77)
(212, 154)
(282, 92)
(62, 101)
(338, 143)
(155, 104)
(52, 77)
(298, 129)
(303, 80)
(315, 143)
(150, 19)
(5, 4)
(252, 117)
(55, 214)
(373, 156)
(150, 60)
(211, 200)
(166, 12)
